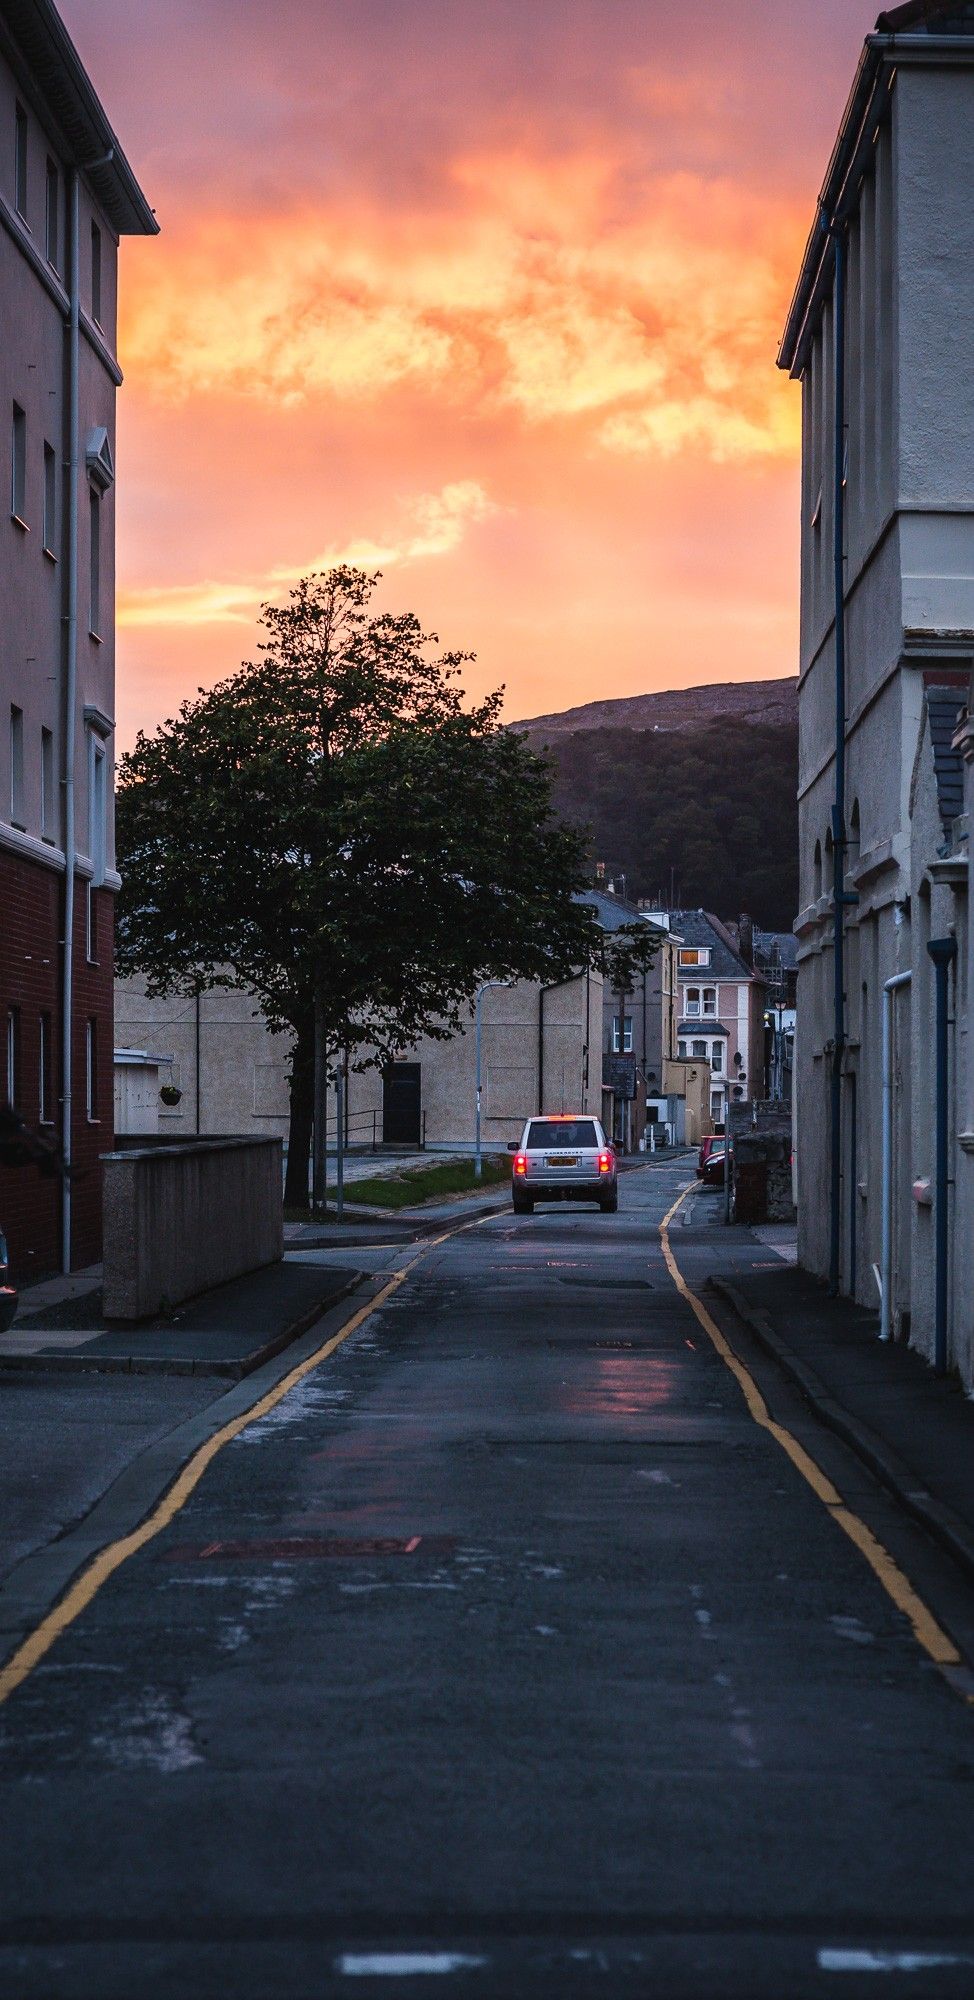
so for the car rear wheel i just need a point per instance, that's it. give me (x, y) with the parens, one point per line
(609, 1203)
(522, 1207)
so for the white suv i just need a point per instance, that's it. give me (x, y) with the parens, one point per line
(564, 1157)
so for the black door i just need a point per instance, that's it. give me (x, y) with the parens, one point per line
(401, 1113)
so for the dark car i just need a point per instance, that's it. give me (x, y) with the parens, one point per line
(712, 1172)
(563, 1158)
(8, 1294)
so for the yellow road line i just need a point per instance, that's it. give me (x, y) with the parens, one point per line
(897, 1586)
(102, 1566)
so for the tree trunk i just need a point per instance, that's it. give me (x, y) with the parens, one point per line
(301, 1115)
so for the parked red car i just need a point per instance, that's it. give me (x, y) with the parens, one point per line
(714, 1164)
(8, 1292)
(706, 1145)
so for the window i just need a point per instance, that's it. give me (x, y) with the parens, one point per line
(681, 1050)
(48, 786)
(18, 465)
(52, 217)
(45, 1071)
(96, 807)
(700, 1050)
(717, 1059)
(91, 1069)
(710, 1000)
(20, 161)
(716, 1107)
(17, 765)
(50, 501)
(692, 1001)
(94, 562)
(13, 1056)
(695, 954)
(622, 1035)
(96, 273)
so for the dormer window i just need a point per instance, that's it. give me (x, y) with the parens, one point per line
(695, 954)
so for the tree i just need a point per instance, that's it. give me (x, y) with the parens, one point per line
(332, 829)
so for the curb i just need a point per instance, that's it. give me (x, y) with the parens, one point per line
(80, 1363)
(939, 1520)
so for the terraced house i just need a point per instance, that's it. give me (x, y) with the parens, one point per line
(67, 194)
(881, 337)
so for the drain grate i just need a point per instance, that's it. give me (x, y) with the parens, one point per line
(298, 1548)
(610, 1284)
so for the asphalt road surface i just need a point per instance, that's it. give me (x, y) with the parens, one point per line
(505, 1655)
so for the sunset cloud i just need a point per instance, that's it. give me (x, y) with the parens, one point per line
(439, 523)
(487, 298)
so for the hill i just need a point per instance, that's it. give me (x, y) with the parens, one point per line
(694, 814)
(677, 708)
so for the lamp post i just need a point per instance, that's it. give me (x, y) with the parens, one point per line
(487, 987)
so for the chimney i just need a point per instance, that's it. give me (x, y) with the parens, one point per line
(745, 938)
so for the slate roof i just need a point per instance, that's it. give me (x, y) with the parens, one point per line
(613, 912)
(705, 1025)
(787, 944)
(695, 927)
(944, 706)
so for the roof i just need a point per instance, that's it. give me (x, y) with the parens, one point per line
(702, 1025)
(36, 33)
(696, 927)
(614, 913)
(787, 943)
(921, 25)
(945, 707)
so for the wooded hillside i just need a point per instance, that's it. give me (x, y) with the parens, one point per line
(701, 818)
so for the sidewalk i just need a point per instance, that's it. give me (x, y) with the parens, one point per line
(229, 1331)
(915, 1432)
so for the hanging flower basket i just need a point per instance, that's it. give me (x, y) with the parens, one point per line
(170, 1094)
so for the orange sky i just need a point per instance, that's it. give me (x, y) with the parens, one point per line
(482, 294)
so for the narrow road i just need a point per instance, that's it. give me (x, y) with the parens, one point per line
(506, 1655)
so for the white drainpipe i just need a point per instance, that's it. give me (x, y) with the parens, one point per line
(890, 988)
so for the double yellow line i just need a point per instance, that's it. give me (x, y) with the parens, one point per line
(927, 1632)
(102, 1566)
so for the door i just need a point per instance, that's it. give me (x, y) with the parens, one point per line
(401, 1105)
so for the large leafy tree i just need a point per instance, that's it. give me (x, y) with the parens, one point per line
(333, 829)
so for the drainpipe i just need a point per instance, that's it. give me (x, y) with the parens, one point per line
(943, 951)
(891, 987)
(838, 809)
(70, 718)
(71, 695)
(541, 994)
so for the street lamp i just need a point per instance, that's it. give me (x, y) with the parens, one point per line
(487, 987)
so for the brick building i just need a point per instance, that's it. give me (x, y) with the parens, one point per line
(66, 196)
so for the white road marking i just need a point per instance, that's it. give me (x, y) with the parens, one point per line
(405, 1964)
(890, 1961)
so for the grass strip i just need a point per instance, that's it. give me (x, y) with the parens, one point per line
(417, 1184)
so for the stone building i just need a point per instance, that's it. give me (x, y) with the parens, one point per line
(881, 335)
(541, 1051)
(67, 194)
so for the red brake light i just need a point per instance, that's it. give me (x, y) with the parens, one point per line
(520, 1163)
(605, 1163)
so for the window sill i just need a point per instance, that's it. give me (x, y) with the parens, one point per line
(20, 824)
(19, 522)
(51, 557)
(92, 634)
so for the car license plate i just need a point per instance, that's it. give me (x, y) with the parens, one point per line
(562, 1160)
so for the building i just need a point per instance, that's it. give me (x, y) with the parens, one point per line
(639, 1032)
(879, 334)
(67, 194)
(721, 1006)
(541, 1051)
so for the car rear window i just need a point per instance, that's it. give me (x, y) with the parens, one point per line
(547, 1135)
